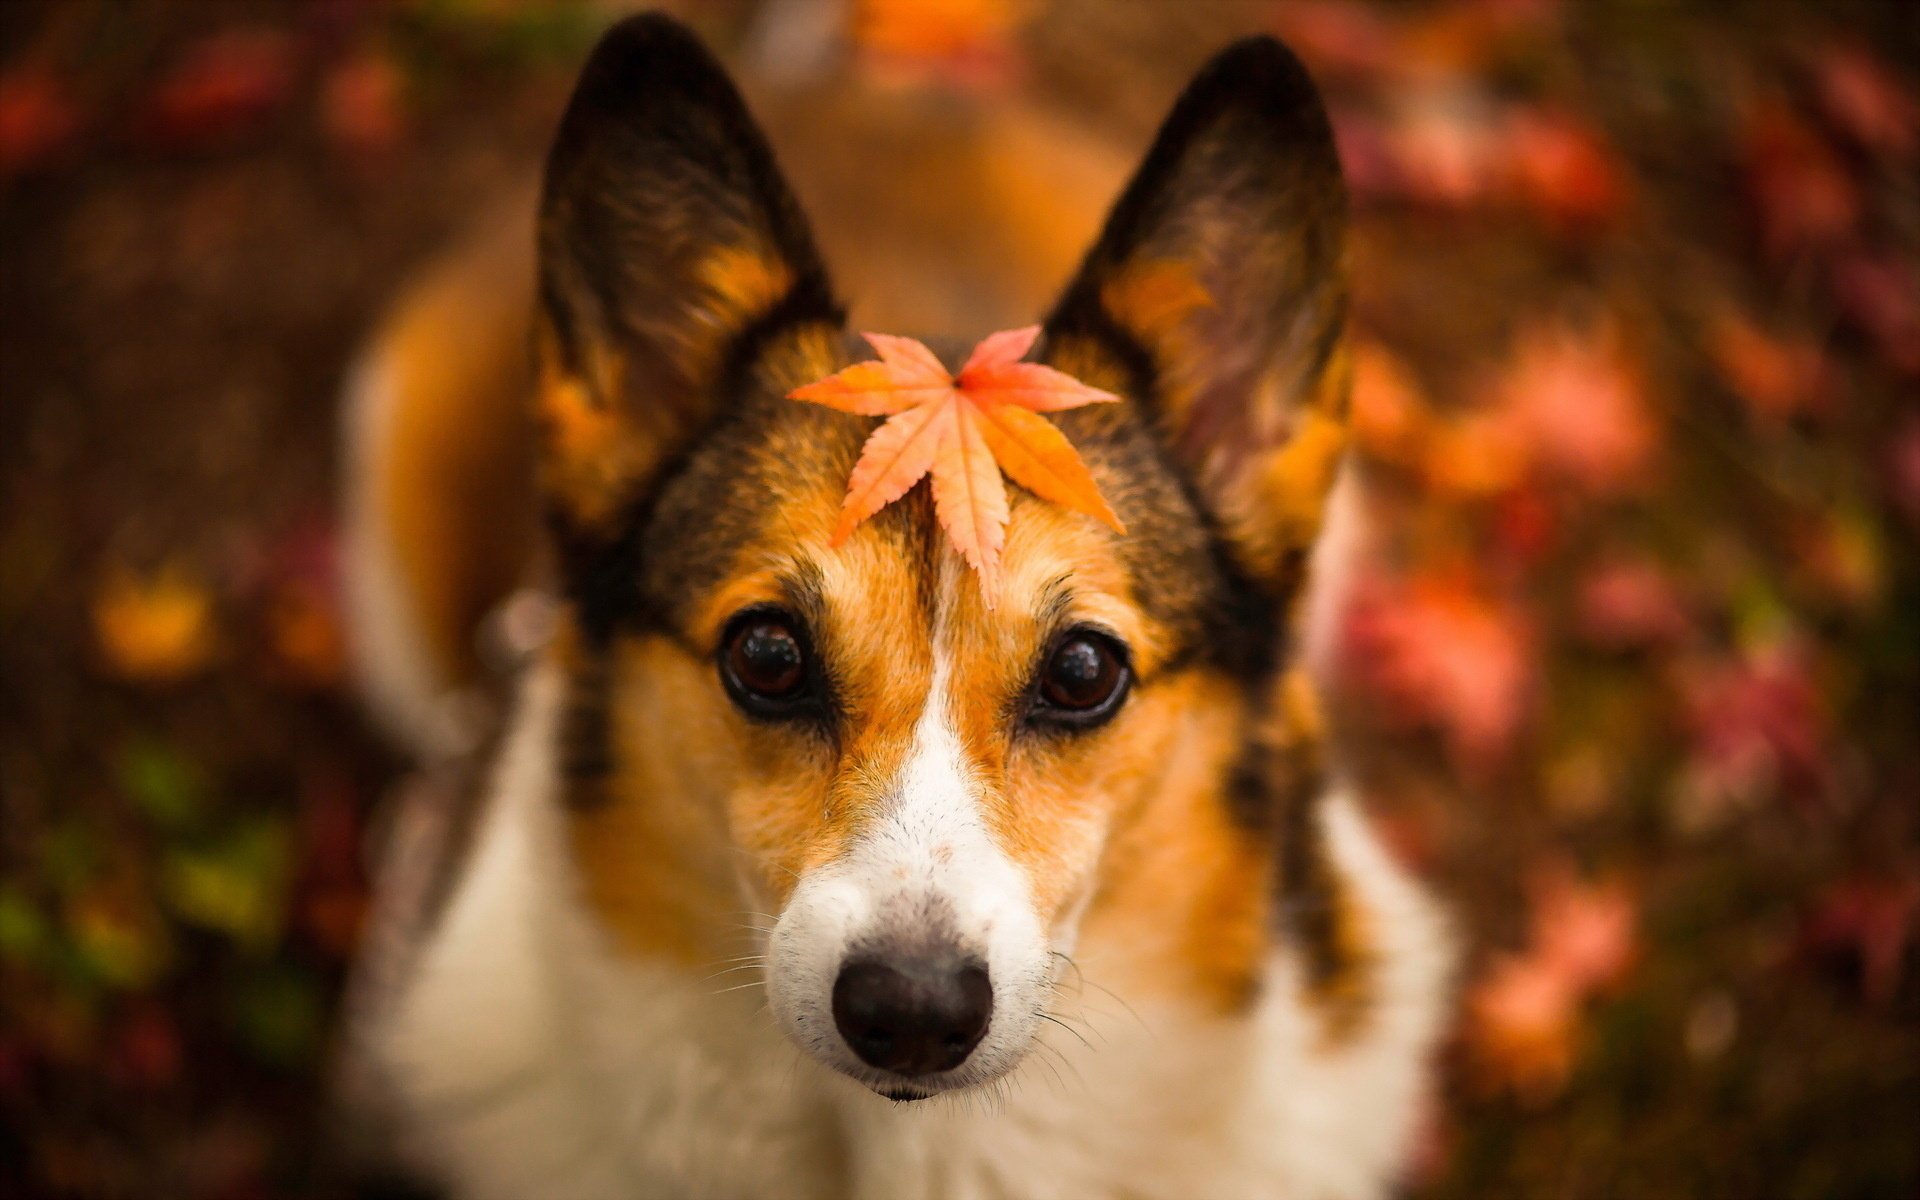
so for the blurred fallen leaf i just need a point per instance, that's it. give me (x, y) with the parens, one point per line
(967, 42)
(38, 119)
(1479, 453)
(1582, 407)
(222, 88)
(1778, 375)
(1865, 99)
(236, 885)
(1524, 1015)
(1338, 37)
(305, 634)
(164, 786)
(156, 628)
(1437, 651)
(1874, 919)
(363, 105)
(1882, 296)
(1366, 153)
(121, 941)
(1587, 931)
(1390, 412)
(1839, 553)
(1903, 463)
(1758, 727)
(1522, 1024)
(147, 1053)
(26, 934)
(1802, 192)
(1624, 602)
(278, 1013)
(1446, 148)
(1563, 168)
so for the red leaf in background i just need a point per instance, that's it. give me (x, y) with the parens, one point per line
(362, 104)
(1588, 932)
(1626, 602)
(1439, 652)
(332, 893)
(38, 118)
(295, 581)
(1366, 157)
(1759, 725)
(1873, 919)
(222, 88)
(1339, 37)
(1525, 526)
(1446, 148)
(1582, 406)
(1523, 1015)
(1779, 376)
(1564, 169)
(1802, 192)
(969, 43)
(147, 1050)
(1904, 466)
(1880, 295)
(1390, 412)
(1522, 1023)
(1866, 100)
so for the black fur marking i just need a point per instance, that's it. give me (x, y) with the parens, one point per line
(656, 158)
(1310, 895)
(656, 164)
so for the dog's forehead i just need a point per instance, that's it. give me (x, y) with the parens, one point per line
(757, 497)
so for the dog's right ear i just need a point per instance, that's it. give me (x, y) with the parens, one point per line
(671, 252)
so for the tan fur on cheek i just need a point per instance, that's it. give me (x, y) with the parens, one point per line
(1183, 899)
(656, 855)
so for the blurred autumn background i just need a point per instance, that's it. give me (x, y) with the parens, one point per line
(1636, 673)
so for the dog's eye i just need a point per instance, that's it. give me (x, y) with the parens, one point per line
(1083, 681)
(763, 662)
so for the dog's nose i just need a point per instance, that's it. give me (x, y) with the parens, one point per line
(912, 1016)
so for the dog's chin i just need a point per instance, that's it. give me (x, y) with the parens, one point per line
(905, 1089)
(902, 1090)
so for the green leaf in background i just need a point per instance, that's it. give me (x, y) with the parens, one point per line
(71, 855)
(277, 1013)
(167, 788)
(234, 886)
(118, 940)
(26, 936)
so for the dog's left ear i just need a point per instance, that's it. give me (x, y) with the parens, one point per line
(1216, 298)
(671, 251)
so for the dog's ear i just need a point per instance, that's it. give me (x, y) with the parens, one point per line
(1215, 297)
(671, 253)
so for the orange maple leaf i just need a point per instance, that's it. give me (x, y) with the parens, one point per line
(963, 431)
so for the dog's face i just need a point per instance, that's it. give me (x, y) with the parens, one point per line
(915, 796)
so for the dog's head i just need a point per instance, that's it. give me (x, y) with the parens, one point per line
(923, 799)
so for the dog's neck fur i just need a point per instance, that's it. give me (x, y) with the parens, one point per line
(536, 1059)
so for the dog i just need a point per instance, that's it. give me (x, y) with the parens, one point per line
(790, 869)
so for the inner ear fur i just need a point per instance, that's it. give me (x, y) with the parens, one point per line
(670, 252)
(1216, 297)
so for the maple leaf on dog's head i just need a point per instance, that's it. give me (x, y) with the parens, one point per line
(964, 431)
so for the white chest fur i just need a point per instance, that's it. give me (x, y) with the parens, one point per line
(533, 1061)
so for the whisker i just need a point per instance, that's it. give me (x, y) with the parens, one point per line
(1070, 1029)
